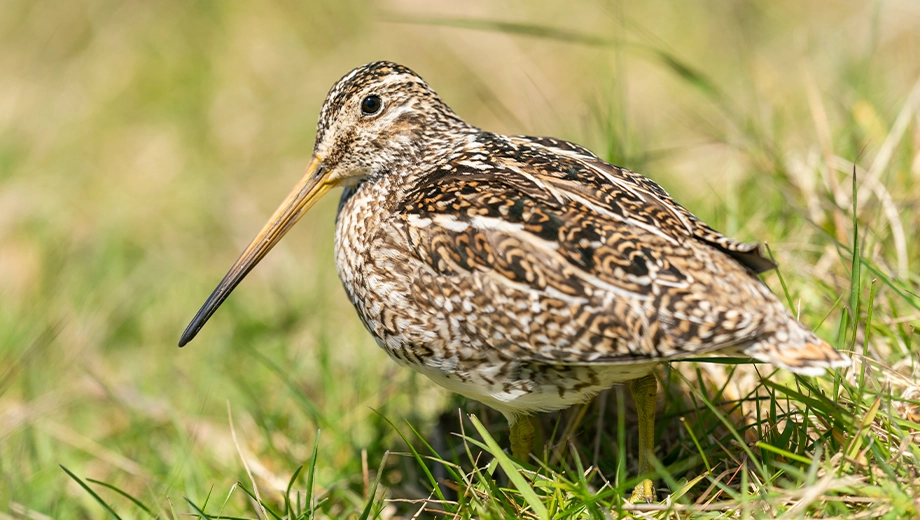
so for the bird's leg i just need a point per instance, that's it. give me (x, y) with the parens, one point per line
(522, 437)
(645, 392)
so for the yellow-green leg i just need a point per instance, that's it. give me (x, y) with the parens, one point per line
(522, 437)
(645, 393)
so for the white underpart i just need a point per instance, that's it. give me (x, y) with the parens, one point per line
(516, 401)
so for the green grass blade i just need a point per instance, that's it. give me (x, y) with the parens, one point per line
(523, 29)
(436, 457)
(373, 491)
(511, 470)
(311, 477)
(680, 68)
(418, 458)
(781, 278)
(820, 402)
(253, 496)
(863, 366)
(719, 360)
(122, 493)
(197, 510)
(779, 451)
(92, 493)
(288, 508)
(855, 265)
(696, 443)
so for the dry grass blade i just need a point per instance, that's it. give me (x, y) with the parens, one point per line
(239, 451)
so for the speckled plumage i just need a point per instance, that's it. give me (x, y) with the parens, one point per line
(527, 273)
(523, 272)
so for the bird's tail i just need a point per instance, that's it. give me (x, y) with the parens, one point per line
(796, 348)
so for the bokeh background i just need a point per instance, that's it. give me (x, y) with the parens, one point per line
(142, 144)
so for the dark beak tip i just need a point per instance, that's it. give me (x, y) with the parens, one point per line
(190, 332)
(210, 305)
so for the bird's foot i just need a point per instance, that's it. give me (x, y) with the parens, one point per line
(644, 493)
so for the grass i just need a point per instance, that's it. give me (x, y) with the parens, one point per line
(142, 144)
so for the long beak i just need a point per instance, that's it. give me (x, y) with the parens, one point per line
(310, 188)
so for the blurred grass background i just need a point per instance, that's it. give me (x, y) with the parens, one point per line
(142, 144)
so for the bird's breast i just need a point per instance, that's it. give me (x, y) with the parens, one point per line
(373, 267)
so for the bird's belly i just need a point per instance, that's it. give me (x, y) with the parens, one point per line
(528, 388)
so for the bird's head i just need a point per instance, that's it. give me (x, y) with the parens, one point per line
(374, 119)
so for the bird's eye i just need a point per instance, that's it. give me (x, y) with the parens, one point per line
(371, 105)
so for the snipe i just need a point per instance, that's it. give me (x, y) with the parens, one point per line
(523, 272)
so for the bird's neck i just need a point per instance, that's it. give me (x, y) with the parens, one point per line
(431, 145)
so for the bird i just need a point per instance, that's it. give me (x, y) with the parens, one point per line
(523, 272)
